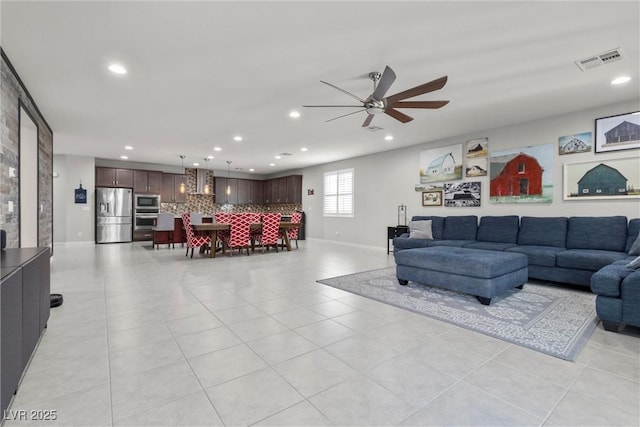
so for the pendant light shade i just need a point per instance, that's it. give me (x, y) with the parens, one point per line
(183, 187)
(206, 189)
(228, 190)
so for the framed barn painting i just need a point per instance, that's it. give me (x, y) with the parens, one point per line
(462, 194)
(441, 164)
(522, 175)
(621, 132)
(578, 143)
(607, 179)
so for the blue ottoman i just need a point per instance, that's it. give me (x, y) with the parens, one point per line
(478, 272)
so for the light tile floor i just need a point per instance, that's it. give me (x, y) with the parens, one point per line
(151, 337)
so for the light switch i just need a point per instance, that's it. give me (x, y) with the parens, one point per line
(10, 206)
(12, 172)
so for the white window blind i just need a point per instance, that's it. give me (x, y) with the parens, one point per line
(338, 193)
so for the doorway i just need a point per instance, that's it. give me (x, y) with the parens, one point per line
(28, 176)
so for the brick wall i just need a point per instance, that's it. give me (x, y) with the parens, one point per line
(13, 95)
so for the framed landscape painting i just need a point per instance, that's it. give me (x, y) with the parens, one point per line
(441, 164)
(432, 198)
(621, 132)
(607, 179)
(462, 194)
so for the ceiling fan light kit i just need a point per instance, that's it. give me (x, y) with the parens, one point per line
(376, 103)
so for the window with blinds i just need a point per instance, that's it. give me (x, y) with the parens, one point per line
(338, 193)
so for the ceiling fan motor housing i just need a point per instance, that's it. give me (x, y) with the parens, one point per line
(374, 106)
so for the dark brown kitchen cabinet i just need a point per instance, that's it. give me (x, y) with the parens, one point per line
(257, 192)
(113, 177)
(221, 190)
(147, 182)
(244, 191)
(174, 188)
(294, 189)
(287, 189)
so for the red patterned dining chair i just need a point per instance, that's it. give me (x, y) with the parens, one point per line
(193, 240)
(222, 218)
(270, 228)
(254, 233)
(239, 235)
(292, 233)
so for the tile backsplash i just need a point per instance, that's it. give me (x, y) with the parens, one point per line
(205, 204)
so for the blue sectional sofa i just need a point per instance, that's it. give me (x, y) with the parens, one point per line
(559, 249)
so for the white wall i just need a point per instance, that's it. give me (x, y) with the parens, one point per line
(73, 222)
(385, 180)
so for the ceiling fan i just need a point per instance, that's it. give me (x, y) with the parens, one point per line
(376, 103)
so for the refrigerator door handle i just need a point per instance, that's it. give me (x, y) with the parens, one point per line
(107, 207)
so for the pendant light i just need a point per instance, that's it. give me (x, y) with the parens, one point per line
(206, 188)
(183, 187)
(228, 191)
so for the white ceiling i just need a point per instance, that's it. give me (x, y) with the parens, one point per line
(200, 73)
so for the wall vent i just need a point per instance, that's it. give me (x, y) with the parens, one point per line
(601, 59)
(374, 128)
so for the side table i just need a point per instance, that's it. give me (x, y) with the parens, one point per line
(395, 232)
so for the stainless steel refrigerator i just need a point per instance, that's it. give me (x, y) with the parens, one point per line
(114, 215)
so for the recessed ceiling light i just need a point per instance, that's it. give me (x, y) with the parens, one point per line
(196, 164)
(304, 149)
(277, 157)
(620, 80)
(272, 164)
(252, 170)
(217, 149)
(294, 114)
(210, 157)
(117, 69)
(124, 157)
(388, 138)
(237, 138)
(128, 147)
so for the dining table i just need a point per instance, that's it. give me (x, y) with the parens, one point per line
(213, 228)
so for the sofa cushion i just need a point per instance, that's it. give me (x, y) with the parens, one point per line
(538, 255)
(453, 243)
(437, 224)
(490, 246)
(607, 233)
(550, 231)
(420, 230)
(587, 259)
(633, 233)
(404, 242)
(500, 229)
(635, 264)
(460, 227)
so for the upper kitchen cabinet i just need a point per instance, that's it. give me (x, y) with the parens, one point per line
(174, 188)
(147, 182)
(294, 189)
(113, 177)
(221, 190)
(287, 189)
(250, 192)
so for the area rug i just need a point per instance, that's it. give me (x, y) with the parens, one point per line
(547, 318)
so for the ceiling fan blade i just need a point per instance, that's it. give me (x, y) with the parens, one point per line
(344, 115)
(347, 106)
(398, 115)
(343, 91)
(420, 104)
(388, 77)
(367, 121)
(418, 90)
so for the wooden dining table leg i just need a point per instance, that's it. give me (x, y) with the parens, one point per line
(287, 243)
(214, 241)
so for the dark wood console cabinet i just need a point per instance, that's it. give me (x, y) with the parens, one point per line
(24, 300)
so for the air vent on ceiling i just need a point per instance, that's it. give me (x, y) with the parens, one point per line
(374, 128)
(601, 59)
